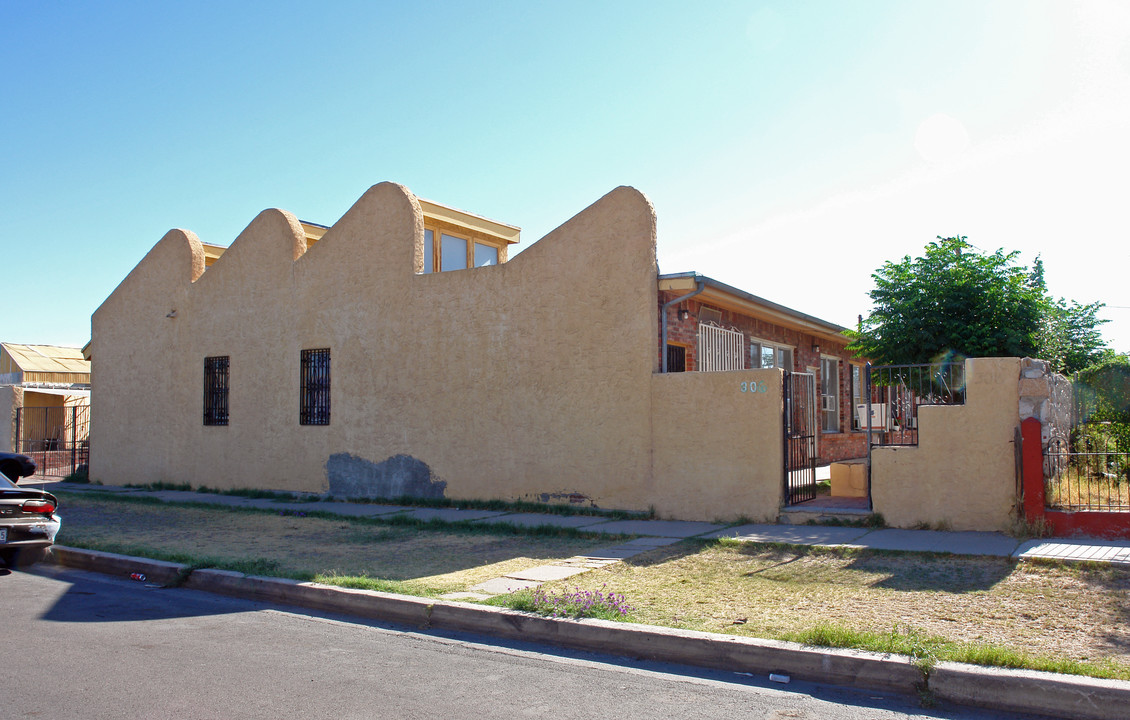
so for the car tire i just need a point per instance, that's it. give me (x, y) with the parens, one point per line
(24, 557)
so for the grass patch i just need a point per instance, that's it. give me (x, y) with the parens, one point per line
(360, 582)
(158, 486)
(874, 521)
(497, 505)
(261, 494)
(429, 557)
(900, 640)
(245, 565)
(392, 520)
(80, 476)
(927, 650)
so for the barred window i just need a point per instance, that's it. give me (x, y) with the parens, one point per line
(676, 358)
(720, 349)
(315, 391)
(216, 378)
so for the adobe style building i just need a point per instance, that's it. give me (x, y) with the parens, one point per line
(399, 352)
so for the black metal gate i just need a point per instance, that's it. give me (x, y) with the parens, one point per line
(800, 437)
(57, 438)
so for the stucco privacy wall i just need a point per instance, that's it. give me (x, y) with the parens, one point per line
(963, 471)
(531, 379)
(717, 444)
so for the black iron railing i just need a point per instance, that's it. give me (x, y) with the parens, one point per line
(895, 392)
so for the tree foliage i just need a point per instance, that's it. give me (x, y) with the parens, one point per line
(1107, 383)
(1068, 336)
(955, 301)
(951, 301)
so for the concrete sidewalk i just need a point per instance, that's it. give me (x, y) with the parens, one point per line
(958, 543)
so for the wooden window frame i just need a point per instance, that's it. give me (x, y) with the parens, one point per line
(472, 239)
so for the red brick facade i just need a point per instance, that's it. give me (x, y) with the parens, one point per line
(807, 353)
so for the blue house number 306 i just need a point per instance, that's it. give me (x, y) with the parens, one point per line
(748, 387)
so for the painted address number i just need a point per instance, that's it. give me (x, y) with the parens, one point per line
(752, 387)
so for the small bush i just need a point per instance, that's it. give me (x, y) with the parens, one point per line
(577, 603)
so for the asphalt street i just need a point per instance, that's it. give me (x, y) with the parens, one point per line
(84, 645)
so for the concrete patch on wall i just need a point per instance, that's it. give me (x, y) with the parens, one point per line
(563, 497)
(400, 475)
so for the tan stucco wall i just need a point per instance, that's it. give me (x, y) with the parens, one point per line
(962, 474)
(717, 446)
(534, 379)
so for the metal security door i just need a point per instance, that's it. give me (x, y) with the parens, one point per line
(800, 437)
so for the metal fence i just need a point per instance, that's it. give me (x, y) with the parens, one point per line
(57, 438)
(1089, 470)
(895, 392)
(720, 348)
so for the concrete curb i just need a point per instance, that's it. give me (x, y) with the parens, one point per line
(156, 571)
(1028, 691)
(1022, 691)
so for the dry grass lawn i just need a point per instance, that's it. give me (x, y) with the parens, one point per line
(1078, 612)
(1066, 611)
(293, 546)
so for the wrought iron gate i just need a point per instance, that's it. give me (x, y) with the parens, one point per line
(800, 437)
(1087, 453)
(57, 438)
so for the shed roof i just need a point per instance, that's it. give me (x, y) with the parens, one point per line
(46, 358)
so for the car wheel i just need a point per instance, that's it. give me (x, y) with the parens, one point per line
(22, 558)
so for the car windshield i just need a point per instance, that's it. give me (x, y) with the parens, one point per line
(5, 483)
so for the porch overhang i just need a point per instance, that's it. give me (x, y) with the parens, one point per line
(727, 297)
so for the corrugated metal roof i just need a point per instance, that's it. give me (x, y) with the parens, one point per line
(47, 358)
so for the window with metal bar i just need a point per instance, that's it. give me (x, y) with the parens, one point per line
(216, 379)
(315, 390)
(676, 358)
(720, 349)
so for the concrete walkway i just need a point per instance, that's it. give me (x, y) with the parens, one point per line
(657, 533)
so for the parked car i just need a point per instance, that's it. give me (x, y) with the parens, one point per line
(16, 466)
(28, 521)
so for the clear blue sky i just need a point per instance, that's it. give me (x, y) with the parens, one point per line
(789, 147)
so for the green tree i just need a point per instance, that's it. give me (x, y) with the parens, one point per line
(952, 301)
(1068, 336)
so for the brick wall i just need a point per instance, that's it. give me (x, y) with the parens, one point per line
(842, 446)
(833, 446)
